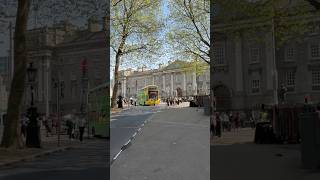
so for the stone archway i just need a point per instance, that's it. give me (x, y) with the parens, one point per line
(222, 98)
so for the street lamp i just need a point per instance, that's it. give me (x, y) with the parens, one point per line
(33, 129)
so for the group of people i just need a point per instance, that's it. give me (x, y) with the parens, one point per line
(224, 122)
(125, 101)
(173, 101)
(73, 126)
(42, 120)
(227, 121)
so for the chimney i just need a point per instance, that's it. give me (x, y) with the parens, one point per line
(93, 24)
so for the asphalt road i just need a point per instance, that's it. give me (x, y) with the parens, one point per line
(89, 161)
(125, 124)
(173, 145)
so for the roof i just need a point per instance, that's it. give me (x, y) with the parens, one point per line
(84, 36)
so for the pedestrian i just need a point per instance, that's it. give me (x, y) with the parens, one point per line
(70, 128)
(218, 126)
(225, 121)
(24, 124)
(212, 128)
(46, 125)
(131, 101)
(120, 99)
(237, 121)
(81, 125)
(231, 118)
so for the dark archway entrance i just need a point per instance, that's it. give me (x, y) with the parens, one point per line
(222, 98)
(179, 92)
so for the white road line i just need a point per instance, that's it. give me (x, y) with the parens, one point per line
(134, 134)
(126, 144)
(115, 157)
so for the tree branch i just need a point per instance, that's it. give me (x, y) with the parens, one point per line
(314, 3)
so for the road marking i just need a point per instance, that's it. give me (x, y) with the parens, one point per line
(139, 129)
(126, 144)
(116, 156)
(134, 134)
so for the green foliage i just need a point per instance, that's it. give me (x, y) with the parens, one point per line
(136, 24)
(189, 31)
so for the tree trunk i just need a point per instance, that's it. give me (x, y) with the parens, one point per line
(116, 79)
(11, 134)
(116, 68)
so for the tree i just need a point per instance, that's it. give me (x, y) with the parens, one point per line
(135, 26)
(189, 34)
(11, 134)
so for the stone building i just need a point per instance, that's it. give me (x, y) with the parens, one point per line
(250, 72)
(178, 78)
(57, 52)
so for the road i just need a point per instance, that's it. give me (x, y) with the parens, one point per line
(174, 144)
(125, 124)
(91, 160)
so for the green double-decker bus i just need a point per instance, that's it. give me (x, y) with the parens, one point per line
(99, 111)
(148, 96)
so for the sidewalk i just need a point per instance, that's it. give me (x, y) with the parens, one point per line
(49, 145)
(118, 110)
(174, 144)
(235, 156)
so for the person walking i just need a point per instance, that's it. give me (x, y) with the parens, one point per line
(237, 121)
(232, 119)
(212, 128)
(81, 126)
(46, 125)
(70, 128)
(24, 124)
(218, 126)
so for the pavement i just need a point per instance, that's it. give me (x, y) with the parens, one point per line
(49, 145)
(89, 160)
(173, 144)
(235, 156)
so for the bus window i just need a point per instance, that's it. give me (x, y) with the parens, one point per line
(153, 95)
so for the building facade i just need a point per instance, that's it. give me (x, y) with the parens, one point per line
(177, 79)
(58, 54)
(251, 72)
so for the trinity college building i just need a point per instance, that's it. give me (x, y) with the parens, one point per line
(177, 79)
